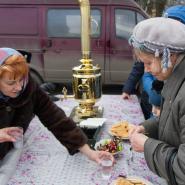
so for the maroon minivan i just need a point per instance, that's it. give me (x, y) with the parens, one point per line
(50, 30)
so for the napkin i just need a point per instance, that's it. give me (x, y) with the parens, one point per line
(92, 122)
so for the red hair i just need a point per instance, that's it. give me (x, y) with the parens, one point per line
(16, 66)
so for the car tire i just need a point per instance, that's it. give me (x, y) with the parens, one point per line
(36, 77)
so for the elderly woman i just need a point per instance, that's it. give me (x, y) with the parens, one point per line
(21, 98)
(160, 44)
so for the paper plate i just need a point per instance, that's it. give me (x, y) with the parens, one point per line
(134, 180)
(92, 122)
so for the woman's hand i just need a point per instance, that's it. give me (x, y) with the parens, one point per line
(95, 155)
(137, 138)
(6, 134)
(125, 96)
(98, 155)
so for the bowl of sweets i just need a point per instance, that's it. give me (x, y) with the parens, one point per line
(114, 146)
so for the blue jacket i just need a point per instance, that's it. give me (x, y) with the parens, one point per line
(154, 97)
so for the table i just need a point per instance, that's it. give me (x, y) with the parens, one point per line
(44, 161)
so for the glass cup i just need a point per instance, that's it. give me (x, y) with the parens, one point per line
(19, 138)
(106, 167)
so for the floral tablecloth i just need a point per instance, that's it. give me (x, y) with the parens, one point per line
(44, 161)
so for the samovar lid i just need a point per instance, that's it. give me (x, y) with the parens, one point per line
(86, 68)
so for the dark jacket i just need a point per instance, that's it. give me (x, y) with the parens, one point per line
(33, 101)
(130, 87)
(165, 149)
(134, 77)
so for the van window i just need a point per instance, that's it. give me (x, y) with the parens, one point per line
(140, 17)
(66, 23)
(16, 21)
(125, 21)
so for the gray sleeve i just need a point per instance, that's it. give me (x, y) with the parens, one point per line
(166, 160)
(155, 154)
(151, 127)
(178, 165)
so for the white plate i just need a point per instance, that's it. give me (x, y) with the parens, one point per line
(135, 178)
(102, 142)
(92, 122)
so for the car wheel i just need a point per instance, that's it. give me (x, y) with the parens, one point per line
(36, 77)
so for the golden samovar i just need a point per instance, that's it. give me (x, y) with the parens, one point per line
(86, 80)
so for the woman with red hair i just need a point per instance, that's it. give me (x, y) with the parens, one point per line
(21, 99)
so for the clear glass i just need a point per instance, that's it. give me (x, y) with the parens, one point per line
(129, 159)
(106, 168)
(19, 138)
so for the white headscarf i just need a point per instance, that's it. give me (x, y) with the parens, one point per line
(159, 35)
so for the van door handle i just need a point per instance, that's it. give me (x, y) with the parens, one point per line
(99, 43)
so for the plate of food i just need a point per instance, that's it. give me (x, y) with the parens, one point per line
(131, 180)
(110, 145)
(120, 129)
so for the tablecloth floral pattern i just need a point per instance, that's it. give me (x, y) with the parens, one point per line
(44, 161)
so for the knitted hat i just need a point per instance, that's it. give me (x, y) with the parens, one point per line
(7, 52)
(176, 12)
(159, 36)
